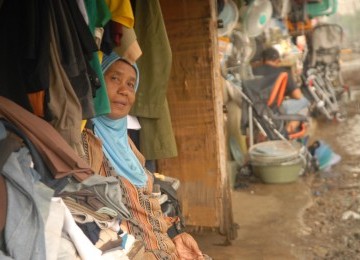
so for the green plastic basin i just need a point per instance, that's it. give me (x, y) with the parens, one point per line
(285, 172)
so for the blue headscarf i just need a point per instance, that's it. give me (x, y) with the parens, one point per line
(113, 134)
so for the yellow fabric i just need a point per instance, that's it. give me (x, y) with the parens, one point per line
(121, 12)
(101, 55)
(159, 176)
(83, 123)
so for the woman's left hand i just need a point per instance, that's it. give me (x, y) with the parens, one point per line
(187, 247)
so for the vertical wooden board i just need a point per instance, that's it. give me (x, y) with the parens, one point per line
(184, 9)
(196, 111)
(225, 201)
(198, 171)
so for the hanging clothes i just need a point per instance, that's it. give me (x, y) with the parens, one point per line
(156, 135)
(157, 139)
(155, 63)
(99, 15)
(121, 11)
(37, 100)
(75, 45)
(121, 15)
(129, 47)
(82, 9)
(64, 107)
(24, 49)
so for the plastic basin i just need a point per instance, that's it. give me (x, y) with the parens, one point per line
(285, 172)
(277, 161)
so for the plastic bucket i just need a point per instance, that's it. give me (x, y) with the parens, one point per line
(285, 172)
(277, 161)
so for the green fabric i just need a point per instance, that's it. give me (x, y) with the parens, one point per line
(157, 139)
(101, 99)
(155, 62)
(99, 15)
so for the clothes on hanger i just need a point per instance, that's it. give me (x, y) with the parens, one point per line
(24, 49)
(156, 135)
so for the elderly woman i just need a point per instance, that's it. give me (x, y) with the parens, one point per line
(119, 157)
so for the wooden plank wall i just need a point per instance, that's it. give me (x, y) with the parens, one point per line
(195, 99)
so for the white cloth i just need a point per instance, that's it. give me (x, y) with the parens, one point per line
(133, 123)
(53, 228)
(61, 220)
(83, 11)
(86, 250)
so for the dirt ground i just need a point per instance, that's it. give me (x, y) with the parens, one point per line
(317, 217)
(334, 217)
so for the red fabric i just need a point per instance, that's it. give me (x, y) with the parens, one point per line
(116, 32)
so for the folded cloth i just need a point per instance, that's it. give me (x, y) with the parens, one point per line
(78, 210)
(106, 189)
(83, 245)
(58, 155)
(107, 211)
(85, 198)
(85, 249)
(81, 215)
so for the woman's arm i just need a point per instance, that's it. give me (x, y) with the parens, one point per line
(296, 94)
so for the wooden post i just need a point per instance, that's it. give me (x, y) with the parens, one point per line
(195, 97)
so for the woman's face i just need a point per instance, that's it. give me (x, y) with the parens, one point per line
(120, 81)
